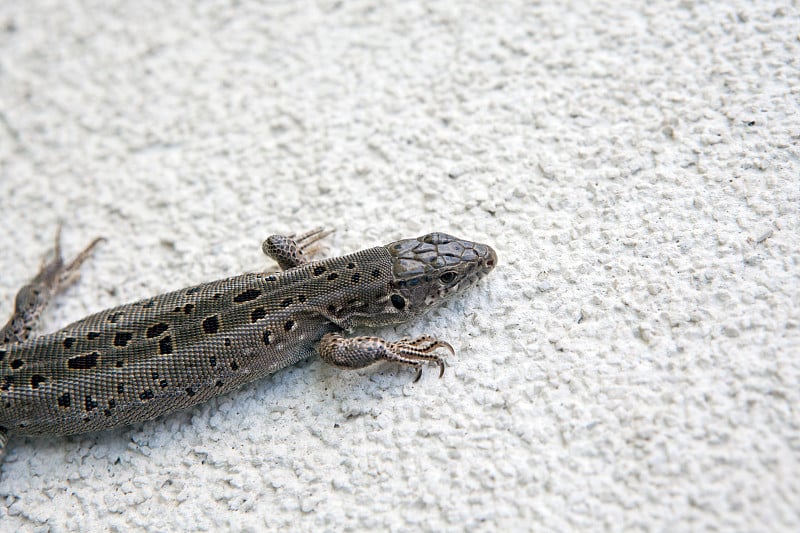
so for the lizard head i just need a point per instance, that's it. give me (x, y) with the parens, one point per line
(430, 269)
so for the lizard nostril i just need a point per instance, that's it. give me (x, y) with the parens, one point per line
(491, 258)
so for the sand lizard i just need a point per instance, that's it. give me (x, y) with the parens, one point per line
(148, 358)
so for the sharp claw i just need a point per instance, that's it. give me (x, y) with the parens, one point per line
(52, 260)
(419, 374)
(306, 243)
(443, 344)
(310, 237)
(81, 257)
(441, 368)
(296, 237)
(57, 245)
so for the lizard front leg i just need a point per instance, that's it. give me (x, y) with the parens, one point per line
(358, 352)
(290, 251)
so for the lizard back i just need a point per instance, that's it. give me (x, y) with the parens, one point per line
(155, 356)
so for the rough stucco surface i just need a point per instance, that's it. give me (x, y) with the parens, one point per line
(632, 364)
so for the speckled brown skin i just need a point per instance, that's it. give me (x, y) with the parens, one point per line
(141, 360)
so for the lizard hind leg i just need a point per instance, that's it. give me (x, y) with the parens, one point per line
(53, 277)
(290, 251)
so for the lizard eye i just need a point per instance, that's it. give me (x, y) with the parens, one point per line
(447, 277)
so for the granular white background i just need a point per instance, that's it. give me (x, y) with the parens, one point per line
(632, 363)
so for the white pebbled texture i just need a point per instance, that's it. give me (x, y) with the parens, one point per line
(631, 365)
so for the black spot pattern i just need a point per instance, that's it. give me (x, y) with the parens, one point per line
(332, 276)
(16, 363)
(122, 338)
(68, 342)
(211, 324)
(90, 403)
(246, 296)
(319, 270)
(64, 400)
(356, 277)
(37, 380)
(234, 365)
(288, 325)
(212, 361)
(267, 333)
(257, 314)
(83, 362)
(156, 329)
(92, 335)
(190, 391)
(286, 303)
(147, 394)
(165, 345)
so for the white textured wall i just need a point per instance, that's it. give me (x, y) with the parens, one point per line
(632, 364)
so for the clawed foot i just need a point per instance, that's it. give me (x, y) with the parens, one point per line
(57, 276)
(358, 352)
(53, 277)
(415, 352)
(290, 251)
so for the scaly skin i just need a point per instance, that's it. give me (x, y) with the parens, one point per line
(141, 360)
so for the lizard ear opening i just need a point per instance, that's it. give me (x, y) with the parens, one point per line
(398, 302)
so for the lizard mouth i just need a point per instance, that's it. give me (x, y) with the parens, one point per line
(485, 264)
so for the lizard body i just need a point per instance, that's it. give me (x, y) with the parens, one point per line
(152, 357)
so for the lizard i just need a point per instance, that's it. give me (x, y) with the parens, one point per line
(145, 359)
